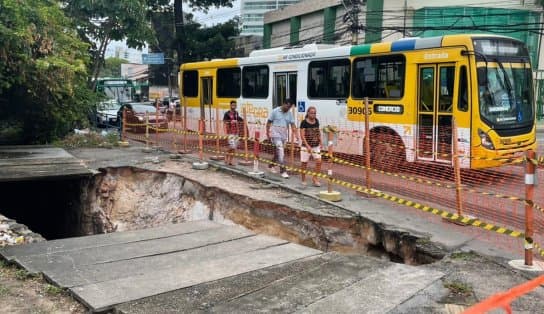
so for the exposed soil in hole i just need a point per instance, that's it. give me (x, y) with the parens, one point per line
(130, 198)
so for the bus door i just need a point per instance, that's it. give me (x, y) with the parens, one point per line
(435, 109)
(206, 100)
(285, 86)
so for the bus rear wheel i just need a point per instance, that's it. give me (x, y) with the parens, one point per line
(386, 152)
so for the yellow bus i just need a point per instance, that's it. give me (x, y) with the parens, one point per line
(417, 88)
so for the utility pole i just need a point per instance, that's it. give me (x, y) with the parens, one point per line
(180, 36)
(352, 14)
(404, 24)
(355, 17)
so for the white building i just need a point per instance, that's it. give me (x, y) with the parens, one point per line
(253, 12)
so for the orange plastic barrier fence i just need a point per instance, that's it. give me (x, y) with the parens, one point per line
(417, 174)
(503, 300)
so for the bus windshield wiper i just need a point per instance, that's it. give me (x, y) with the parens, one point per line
(507, 83)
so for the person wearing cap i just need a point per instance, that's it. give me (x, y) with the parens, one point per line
(277, 127)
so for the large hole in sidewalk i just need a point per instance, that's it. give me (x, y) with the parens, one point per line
(48, 207)
(121, 199)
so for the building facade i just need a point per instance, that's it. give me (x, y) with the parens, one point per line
(252, 12)
(357, 21)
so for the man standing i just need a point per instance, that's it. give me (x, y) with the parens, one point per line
(233, 125)
(277, 132)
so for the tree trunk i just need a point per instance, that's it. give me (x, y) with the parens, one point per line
(99, 59)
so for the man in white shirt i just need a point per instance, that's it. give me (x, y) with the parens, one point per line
(277, 127)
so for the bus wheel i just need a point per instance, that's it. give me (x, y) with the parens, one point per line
(386, 152)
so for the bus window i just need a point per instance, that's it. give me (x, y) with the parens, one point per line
(329, 79)
(255, 80)
(445, 97)
(228, 82)
(426, 95)
(190, 83)
(378, 77)
(462, 103)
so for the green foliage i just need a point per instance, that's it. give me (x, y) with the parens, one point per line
(211, 42)
(90, 140)
(101, 21)
(4, 291)
(112, 67)
(459, 288)
(23, 274)
(463, 255)
(53, 290)
(43, 70)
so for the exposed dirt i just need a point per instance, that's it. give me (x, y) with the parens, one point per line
(20, 293)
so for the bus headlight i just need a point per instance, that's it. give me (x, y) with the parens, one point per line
(485, 140)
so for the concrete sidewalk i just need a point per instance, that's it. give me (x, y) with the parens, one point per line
(467, 262)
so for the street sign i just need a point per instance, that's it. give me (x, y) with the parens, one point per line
(153, 58)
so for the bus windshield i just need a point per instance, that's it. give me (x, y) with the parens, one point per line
(505, 93)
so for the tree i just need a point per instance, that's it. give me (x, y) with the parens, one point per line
(101, 21)
(210, 42)
(43, 71)
(202, 5)
(112, 67)
(200, 42)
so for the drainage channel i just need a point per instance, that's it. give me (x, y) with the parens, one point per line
(127, 198)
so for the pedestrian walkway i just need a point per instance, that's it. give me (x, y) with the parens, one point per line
(221, 268)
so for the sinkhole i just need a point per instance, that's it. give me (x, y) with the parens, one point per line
(129, 198)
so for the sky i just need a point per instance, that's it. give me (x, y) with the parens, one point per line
(214, 16)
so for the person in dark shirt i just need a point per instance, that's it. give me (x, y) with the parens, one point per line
(310, 136)
(233, 124)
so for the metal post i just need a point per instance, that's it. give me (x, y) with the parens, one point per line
(184, 127)
(330, 195)
(123, 125)
(457, 169)
(217, 155)
(147, 130)
(157, 125)
(200, 138)
(256, 150)
(246, 161)
(530, 182)
(293, 138)
(367, 144)
(330, 142)
(174, 146)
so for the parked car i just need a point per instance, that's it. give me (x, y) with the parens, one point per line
(106, 113)
(135, 113)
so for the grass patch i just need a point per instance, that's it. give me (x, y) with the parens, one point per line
(4, 291)
(3, 264)
(23, 274)
(463, 255)
(89, 140)
(53, 290)
(459, 288)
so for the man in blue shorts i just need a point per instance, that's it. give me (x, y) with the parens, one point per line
(277, 128)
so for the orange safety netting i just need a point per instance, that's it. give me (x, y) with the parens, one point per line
(503, 300)
(421, 175)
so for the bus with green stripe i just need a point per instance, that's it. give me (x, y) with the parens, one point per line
(422, 94)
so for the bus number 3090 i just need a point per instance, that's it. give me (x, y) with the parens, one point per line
(359, 110)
